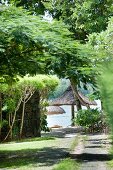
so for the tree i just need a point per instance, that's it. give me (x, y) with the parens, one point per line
(36, 7)
(26, 41)
(71, 61)
(31, 45)
(83, 16)
(102, 45)
(21, 45)
(21, 92)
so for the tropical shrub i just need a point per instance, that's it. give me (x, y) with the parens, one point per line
(91, 119)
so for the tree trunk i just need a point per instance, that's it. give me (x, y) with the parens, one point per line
(13, 121)
(78, 99)
(22, 118)
(72, 114)
(35, 102)
(76, 95)
(10, 121)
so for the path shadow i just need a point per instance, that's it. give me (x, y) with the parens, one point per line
(47, 156)
(105, 139)
(91, 157)
(96, 146)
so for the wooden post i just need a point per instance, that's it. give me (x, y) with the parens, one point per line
(72, 114)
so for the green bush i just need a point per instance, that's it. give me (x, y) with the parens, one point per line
(44, 126)
(91, 119)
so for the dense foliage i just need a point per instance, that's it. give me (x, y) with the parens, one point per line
(84, 16)
(26, 42)
(90, 119)
(35, 7)
(105, 81)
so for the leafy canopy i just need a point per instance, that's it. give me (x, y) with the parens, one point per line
(26, 41)
(84, 16)
(27, 86)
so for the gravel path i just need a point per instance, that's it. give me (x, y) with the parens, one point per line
(93, 152)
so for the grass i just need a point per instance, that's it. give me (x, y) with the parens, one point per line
(110, 163)
(67, 164)
(32, 139)
(74, 143)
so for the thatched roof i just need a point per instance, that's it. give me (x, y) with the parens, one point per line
(51, 110)
(67, 98)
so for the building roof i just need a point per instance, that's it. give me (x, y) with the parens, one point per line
(67, 98)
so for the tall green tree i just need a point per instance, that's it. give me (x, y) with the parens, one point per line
(72, 62)
(29, 44)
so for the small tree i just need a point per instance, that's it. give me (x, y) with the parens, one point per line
(21, 92)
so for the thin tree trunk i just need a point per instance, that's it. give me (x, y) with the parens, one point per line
(22, 119)
(13, 121)
(25, 100)
(10, 120)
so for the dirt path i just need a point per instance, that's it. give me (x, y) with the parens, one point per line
(92, 152)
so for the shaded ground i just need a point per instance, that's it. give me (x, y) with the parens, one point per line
(93, 152)
(41, 155)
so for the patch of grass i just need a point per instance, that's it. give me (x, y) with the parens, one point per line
(36, 139)
(67, 164)
(74, 143)
(26, 145)
(32, 139)
(110, 163)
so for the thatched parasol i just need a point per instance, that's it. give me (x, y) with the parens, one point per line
(67, 98)
(52, 110)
